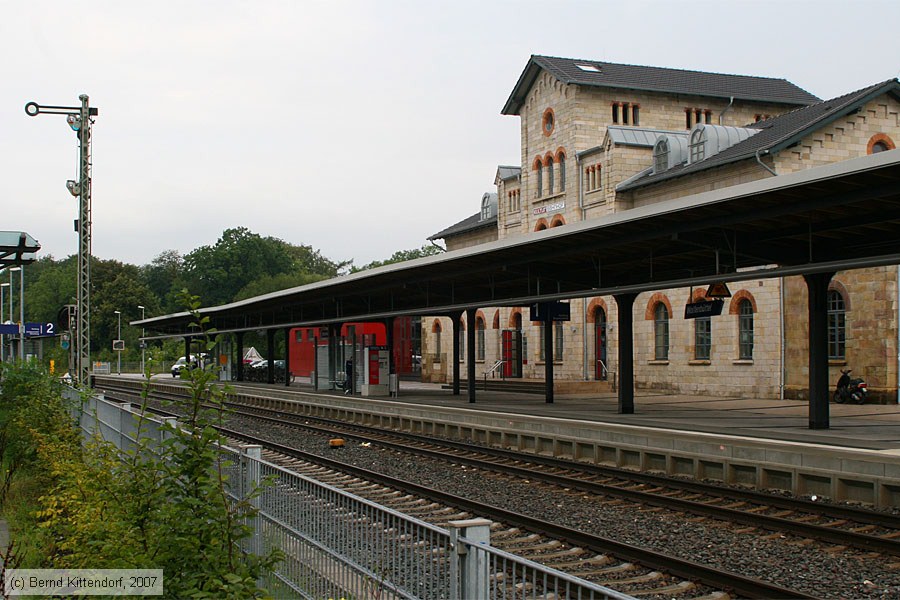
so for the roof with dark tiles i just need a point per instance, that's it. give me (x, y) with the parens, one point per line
(467, 225)
(656, 79)
(776, 133)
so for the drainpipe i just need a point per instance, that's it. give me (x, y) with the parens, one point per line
(438, 246)
(764, 165)
(727, 108)
(584, 303)
(782, 375)
(580, 186)
(584, 337)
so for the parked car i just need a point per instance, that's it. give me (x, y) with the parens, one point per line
(181, 364)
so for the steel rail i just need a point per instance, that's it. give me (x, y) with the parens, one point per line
(745, 586)
(819, 532)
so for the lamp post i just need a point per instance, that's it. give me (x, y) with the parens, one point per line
(3, 287)
(10, 295)
(119, 337)
(143, 343)
(21, 271)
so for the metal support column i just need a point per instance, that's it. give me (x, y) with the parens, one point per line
(470, 353)
(270, 351)
(817, 288)
(334, 331)
(389, 340)
(456, 319)
(240, 355)
(625, 304)
(187, 353)
(287, 356)
(548, 353)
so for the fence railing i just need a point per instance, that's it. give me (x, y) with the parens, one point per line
(339, 545)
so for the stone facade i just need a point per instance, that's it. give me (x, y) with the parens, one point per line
(564, 124)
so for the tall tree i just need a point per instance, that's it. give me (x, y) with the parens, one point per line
(217, 273)
(401, 256)
(164, 277)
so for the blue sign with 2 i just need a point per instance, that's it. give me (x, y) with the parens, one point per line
(39, 329)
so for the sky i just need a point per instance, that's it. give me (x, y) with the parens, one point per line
(356, 127)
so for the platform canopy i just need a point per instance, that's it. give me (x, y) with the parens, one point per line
(840, 216)
(17, 248)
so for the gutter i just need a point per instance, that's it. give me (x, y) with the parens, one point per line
(762, 164)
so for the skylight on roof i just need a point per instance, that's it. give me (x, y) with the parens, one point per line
(589, 68)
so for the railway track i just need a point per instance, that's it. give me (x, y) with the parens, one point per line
(627, 568)
(840, 525)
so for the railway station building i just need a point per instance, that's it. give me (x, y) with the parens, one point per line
(599, 138)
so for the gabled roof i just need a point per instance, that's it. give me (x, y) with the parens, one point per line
(776, 133)
(593, 73)
(467, 225)
(505, 172)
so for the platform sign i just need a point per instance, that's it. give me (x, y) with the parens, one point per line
(9, 329)
(697, 310)
(39, 329)
(559, 311)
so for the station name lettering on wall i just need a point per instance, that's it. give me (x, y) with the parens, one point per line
(549, 208)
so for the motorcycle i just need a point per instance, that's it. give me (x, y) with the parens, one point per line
(850, 389)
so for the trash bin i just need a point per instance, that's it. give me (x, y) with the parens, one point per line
(394, 384)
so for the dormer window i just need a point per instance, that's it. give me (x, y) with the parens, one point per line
(661, 156)
(488, 206)
(697, 146)
(589, 68)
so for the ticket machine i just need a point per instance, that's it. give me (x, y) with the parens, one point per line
(377, 369)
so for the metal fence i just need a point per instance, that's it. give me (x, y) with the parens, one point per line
(338, 545)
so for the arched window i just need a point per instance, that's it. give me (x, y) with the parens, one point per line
(661, 156)
(561, 159)
(558, 332)
(661, 332)
(479, 338)
(698, 149)
(745, 330)
(600, 369)
(837, 333)
(880, 142)
(540, 179)
(550, 176)
(702, 338)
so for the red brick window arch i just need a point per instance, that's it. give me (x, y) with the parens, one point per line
(659, 310)
(541, 225)
(880, 142)
(557, 220)
(538, 167)
(743, 304)
(561, 161)
(548, 162)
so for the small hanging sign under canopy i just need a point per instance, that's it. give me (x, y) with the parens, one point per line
(718, 290)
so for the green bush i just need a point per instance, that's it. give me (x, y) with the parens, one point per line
(156, 506)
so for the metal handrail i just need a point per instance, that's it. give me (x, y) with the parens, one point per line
(496, 366)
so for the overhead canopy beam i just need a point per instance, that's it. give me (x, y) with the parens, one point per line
(779, 226)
